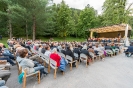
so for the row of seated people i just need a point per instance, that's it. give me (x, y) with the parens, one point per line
(34, 63)
(109, 40)
(4, 68)
(73, 47)
(70, 49)
(5, 54)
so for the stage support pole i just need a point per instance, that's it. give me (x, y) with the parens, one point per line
(126, 31)
(126, 41)
(91, 35)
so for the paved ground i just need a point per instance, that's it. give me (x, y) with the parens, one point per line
(115, 72)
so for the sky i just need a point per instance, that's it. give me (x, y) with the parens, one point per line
(80, 4)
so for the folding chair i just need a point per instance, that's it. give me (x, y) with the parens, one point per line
(76, 55)
(53, 65)
(46, 60)
(117, 51)
(70, 61)
(109, 52)
(84, 58)
(62, 55)
(20, 70)
(93, 56)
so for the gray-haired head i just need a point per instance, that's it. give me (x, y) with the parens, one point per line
(84, 47)
(54, 50)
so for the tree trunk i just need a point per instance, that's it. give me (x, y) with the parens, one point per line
(26, 27)
(10, 25)
(10, 29)
(34, 28)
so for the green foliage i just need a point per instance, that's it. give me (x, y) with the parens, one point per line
(63, 19)
(87, 20)
(35, 18)
(114, 12)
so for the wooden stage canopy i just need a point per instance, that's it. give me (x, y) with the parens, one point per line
(111, 31)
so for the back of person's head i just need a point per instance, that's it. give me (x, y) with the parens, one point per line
(40, 45)
(47, 47)
(68, 47)
(90, 46)
(96, 45)
(23, 53)
(84, 47)
(63, 46)
(54, 50)
(76, 45)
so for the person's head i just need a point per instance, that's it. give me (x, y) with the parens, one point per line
(23, 53)
(90, 46)
(102, 45)
(96, 45)
(63, 46)
(47, 47)
(54, 50)
(76, 45)
(68, 47)
(85, 47)
(71, 47)
(40, 46)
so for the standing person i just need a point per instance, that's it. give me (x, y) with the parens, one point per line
(119, 35)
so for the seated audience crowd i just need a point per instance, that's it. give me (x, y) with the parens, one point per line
(21, 51)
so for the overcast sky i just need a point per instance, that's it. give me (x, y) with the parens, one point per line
(80, 4)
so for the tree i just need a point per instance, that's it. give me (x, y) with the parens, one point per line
(73, 31)
(10, 12)
(87, 20)
(115, 12)
(63, 19)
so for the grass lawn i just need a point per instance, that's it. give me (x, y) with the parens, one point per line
(64, 39)
(4, 41)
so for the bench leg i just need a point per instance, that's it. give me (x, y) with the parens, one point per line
(86, 64)
(44, 63)
(24, 81)
(39, 77)
(76, 64)
(70, 66)
(55, 73)
(48, 68)
(79, 61)
(63, 73)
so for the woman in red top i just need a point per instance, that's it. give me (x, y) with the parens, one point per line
(55, 56)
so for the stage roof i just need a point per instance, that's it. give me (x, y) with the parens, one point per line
(113, 28)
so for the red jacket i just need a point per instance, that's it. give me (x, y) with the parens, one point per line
(56, 58)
